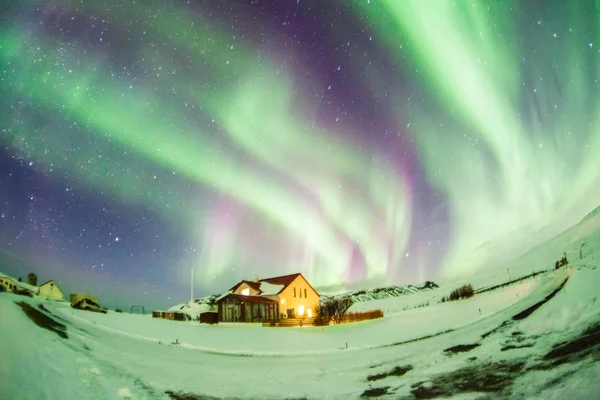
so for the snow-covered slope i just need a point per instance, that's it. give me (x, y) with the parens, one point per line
(536, 339)
(387, 292)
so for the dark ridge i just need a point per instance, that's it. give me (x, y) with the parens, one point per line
(502, 325)
(500, 286)
(461, 348)
(375, 392)
(490, 378)
(41, 307)
(527, 312)
(579, 346)
(397, 371)
(190, 396)
(417, 339)
(513, 347)
(43, 321)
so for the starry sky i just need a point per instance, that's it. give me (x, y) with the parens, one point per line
(361, 143)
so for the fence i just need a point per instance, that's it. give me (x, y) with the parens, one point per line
(354, 317)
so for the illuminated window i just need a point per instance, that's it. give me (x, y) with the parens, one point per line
(246, 292)
(282, 301)
(309, 313)
(301, 310)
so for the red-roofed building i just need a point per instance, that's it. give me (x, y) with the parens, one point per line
(268, 300)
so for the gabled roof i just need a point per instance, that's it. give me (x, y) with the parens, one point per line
(286, 280)
(253, 285)
(45, 283)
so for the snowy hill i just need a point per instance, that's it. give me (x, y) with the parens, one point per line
(194, 308)
(387, 292)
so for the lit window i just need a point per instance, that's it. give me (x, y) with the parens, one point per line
(301, 310)
(309, 313)
(246, 292)
(282, 301)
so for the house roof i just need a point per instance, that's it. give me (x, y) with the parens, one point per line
(248, 299)
(285, 280)
(22, 285)
(51, 280)
(253, 285)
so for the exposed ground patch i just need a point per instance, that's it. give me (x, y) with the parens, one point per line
(191, 396)
(461, 348)
(43, 321)
(490, 378)
(375, 392)
(514, 347)
(397, 371)
(588, 343)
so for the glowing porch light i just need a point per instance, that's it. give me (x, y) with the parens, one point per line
(246, 292)
(301, 310)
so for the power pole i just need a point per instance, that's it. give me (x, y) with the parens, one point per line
(192, 285)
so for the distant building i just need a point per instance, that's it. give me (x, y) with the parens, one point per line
(32, 279)
(7, 284)
(50, 290)
(268, 300)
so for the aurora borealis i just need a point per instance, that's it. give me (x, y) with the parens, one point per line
(358, 142)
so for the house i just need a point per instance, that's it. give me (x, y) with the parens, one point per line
(268, 300)
(7, 284)
(50, 290)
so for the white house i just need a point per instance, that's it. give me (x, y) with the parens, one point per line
(50, 290)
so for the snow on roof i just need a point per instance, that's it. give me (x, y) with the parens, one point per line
(270, 289)
(22, 285)
(192, 309)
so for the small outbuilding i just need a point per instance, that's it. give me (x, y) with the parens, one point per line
(209, 317)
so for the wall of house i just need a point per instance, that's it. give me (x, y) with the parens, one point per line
(8, 284)
(287, 300)
(51, 291)
(242, 287)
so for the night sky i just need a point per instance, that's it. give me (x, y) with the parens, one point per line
(358, 142)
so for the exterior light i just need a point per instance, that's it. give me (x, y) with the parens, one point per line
(282, 301)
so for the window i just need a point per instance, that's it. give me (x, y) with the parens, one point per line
(294, 292)
(246, 292)
(305, 293)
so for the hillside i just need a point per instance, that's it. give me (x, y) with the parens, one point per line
(386, 292)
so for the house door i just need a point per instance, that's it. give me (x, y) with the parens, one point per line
(290, 313)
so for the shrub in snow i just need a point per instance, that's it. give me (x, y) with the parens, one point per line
(463, 292)
(332, 309)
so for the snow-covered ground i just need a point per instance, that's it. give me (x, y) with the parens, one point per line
(539, 338)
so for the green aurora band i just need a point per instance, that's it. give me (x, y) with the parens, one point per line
(468, 57)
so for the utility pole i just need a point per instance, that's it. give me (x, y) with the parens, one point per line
(192, 285)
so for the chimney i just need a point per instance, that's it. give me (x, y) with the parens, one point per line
(255, 278)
